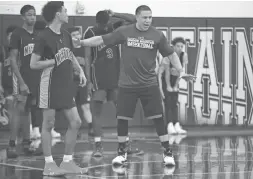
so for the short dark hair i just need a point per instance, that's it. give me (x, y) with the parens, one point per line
(40, 25)
(177, 40)
(142, 8)
(10, 29)
(102, 17)
(50, 9)
(26, 8)
(73, 29)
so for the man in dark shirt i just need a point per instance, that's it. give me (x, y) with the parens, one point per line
(138, 78)
(105, 65)
(53, 54)
(24, 79)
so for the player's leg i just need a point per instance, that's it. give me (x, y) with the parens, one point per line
(36, 123)
(127, 100)
(98, 99)
(83, 102)
(70, 142)
(168, 103)
(174, 114)
(152, 106)
(174, 105)
(112, 96)
(50, 169)
(14, 128)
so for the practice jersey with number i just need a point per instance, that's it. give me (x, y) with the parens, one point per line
(105, 61)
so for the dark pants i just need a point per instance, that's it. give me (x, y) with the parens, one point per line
(171, 101)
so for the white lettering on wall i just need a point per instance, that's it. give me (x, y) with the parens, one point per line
(205, 64)
(226, 42)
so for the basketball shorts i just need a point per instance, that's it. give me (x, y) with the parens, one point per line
(105, 95)
(150, 98)
(82, 96)
(56, 88)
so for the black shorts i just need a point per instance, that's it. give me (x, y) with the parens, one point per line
(82, 96)
(105, 95)
(150, 98)
(56, 88)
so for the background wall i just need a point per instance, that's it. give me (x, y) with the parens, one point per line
(220, 55)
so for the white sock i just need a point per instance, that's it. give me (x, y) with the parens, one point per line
(67, 158)
(97, 139)
(36, 130)
(49, 159)
(127, 138)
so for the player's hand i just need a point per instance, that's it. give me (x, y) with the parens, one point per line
(90, 88)
(24, 90)
(188, 77)
(110, 12)
(169, 88)
(82, 78)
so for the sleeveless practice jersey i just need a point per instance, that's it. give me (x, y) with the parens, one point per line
(105, 61)
(7, 81)
(56, 83)
(23, 41)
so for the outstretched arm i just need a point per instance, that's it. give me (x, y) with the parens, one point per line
(113, 38)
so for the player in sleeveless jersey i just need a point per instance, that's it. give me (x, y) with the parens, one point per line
(168, 81)
(138, 78)
(54, 56)
(6, 86)
(82, 96)
(105, 64)
(24, 80)
(36, 121)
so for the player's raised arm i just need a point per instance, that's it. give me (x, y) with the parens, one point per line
(38, 52)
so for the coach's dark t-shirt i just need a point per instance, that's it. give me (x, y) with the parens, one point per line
(139, 51)
(23, 41)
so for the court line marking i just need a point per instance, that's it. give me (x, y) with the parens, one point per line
(20, 166)
(105, 165)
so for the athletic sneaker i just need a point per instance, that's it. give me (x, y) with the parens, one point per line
(168, 158)
(98, 152)
(55, 134)
(122, 155)
(171, 128)
(178, 129)
(71, 168)
(30, 149)
(51, 169)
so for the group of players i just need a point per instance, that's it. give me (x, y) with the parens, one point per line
(52, 70)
